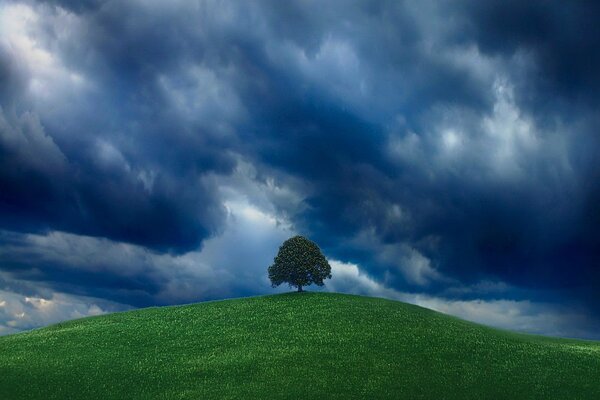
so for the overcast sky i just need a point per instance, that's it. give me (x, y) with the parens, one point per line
(440, 153)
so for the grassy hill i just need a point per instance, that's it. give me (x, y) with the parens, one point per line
(297, 345)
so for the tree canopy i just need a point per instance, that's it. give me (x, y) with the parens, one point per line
(299, 263)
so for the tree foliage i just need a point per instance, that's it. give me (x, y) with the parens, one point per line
(299, 262)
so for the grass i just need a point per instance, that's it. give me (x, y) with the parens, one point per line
(297, 345)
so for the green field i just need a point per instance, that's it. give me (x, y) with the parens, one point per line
(296, 346)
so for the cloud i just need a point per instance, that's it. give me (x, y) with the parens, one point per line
(437, 146)
(230, 264)
(517, 315)
(561, 38)
(18, 312)
(398, 259)
(66, 166)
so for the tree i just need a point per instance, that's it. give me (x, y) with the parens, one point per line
(299, 263)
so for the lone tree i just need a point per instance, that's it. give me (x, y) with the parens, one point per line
(299, 263)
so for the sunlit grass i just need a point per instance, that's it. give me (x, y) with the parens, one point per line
(305, 345)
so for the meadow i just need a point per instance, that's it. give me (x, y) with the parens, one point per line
(292, 346)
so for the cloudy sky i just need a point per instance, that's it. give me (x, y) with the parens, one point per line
(440, 153)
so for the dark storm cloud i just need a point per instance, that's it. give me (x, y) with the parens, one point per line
(527, 218)
(437, 144)
(561, 36)
(94, 166)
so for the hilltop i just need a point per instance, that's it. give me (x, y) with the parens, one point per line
(296, 345)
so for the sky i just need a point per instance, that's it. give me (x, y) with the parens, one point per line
(443, 153)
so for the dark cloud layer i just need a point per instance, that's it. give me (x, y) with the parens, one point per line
(561, 37)
(436, 144)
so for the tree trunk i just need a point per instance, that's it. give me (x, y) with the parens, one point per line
(299, 288)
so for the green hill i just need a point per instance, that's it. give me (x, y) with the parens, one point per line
(297, 345)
